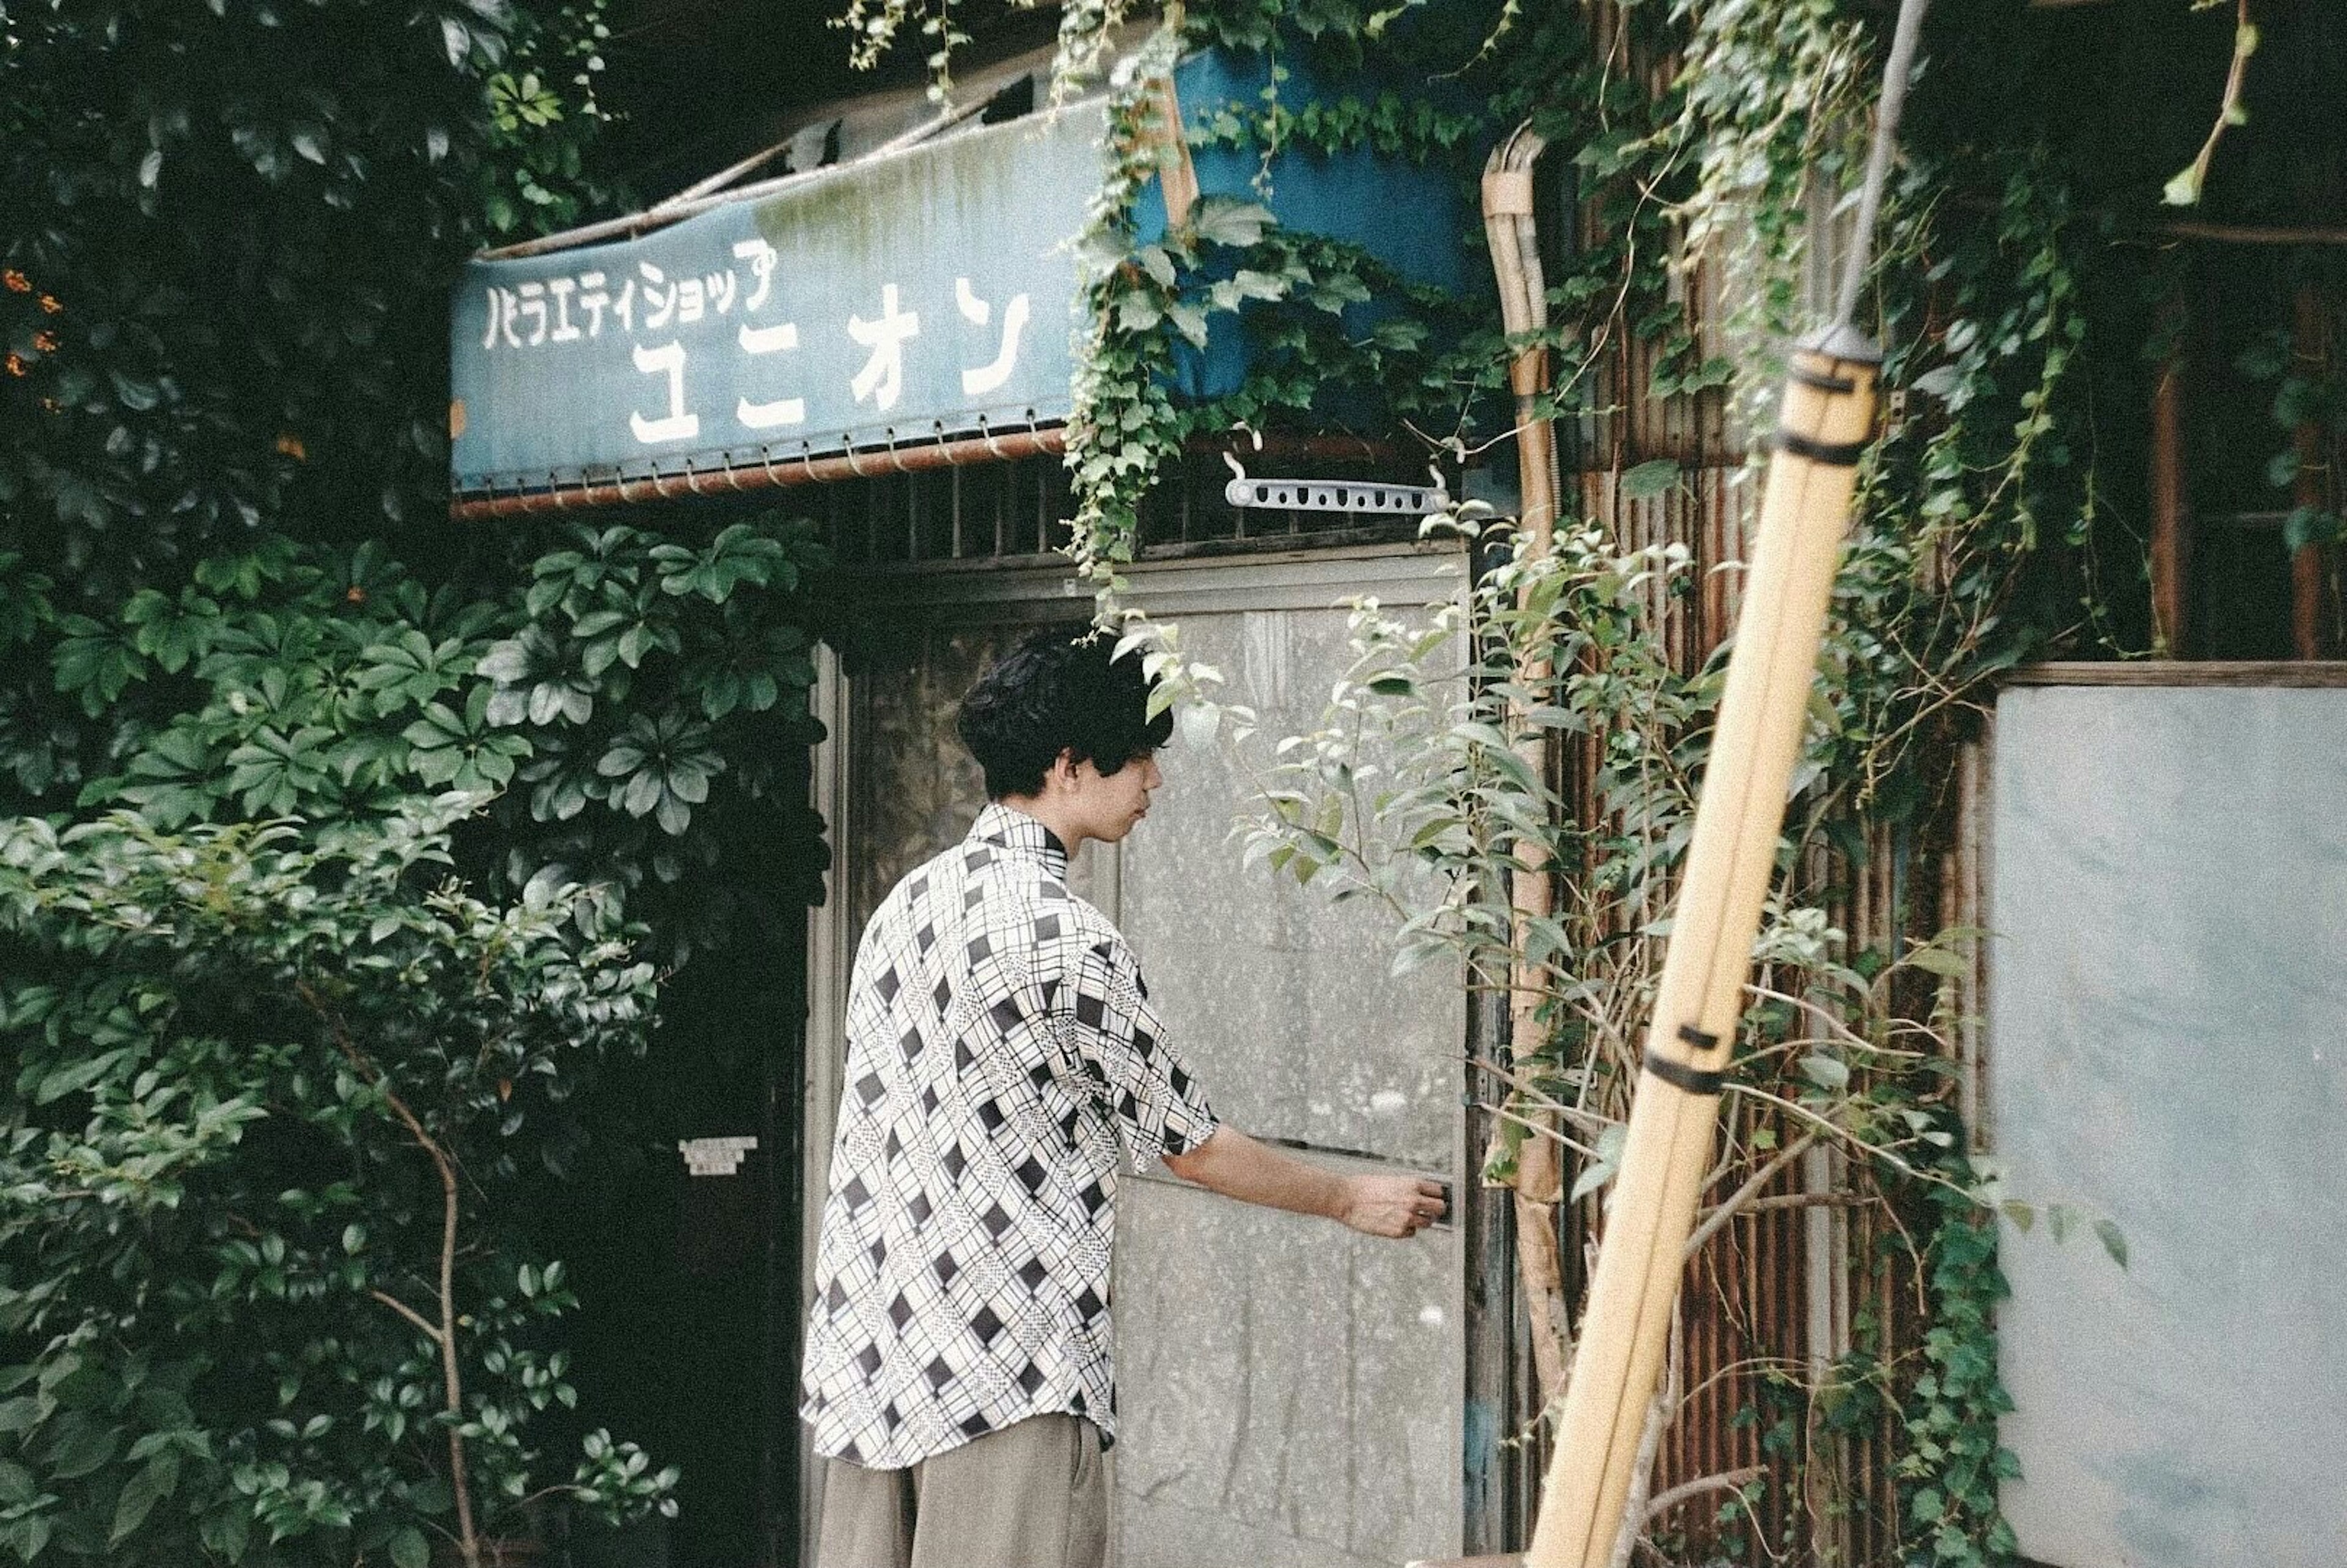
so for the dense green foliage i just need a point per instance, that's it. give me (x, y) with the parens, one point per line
(272, 1093)
(226, 478)
(231, 603)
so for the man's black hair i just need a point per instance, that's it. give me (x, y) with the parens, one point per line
(1059, 690)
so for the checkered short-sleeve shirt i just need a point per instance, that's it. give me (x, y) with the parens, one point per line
(1000, 1043)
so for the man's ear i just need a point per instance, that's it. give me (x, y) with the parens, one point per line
(1064, 765)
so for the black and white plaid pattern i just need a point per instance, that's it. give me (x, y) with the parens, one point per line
(999, 1039)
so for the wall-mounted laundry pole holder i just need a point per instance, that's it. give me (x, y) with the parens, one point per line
(1333, 494)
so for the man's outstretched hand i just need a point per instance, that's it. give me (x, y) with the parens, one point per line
(1236, 1166)
(1395, 1206)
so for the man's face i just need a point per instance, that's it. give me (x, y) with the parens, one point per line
(1108, 805)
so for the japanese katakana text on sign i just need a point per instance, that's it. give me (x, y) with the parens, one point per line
(920, 296)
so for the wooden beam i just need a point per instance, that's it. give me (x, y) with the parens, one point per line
(2171, 520)
(2253, 233)
(2311, 627)
(2247, 672)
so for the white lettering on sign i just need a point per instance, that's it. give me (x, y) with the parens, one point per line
(761, 257)
(560, 290)
(592, 298)
(715, 1157)
(533, 305)
(676, 425)
(989, 377)
(659, 296)
(781, 410)
(882, 379)
(577, 308)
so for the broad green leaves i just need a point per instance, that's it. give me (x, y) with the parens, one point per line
(214, 1363)
(661, 767)
(741, 554)
(646, 660)
(1647, 480)
(461, 750)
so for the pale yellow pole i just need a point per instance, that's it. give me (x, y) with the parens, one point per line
(1828, 415)
(1822, 429)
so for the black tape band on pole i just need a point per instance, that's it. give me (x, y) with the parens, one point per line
(1679, 1075)
(1839, 454)
(1819, 379)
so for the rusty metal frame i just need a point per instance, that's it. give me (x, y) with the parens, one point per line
(1050, 440)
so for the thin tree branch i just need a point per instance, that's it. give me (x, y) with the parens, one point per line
(1743, 1195)
(451, 1378)
(414, 1316)
(1686, 1491)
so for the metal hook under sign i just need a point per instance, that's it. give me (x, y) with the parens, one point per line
(1332, 494)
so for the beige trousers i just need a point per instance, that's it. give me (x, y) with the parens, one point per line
(1032, 1495)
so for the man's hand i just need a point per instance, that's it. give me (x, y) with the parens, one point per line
(1236, 1166)
(1395, 1206)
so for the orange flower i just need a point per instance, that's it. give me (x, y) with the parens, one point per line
(18, 282)
(46, 342)
(49, 304)
(354, 594)
(290, 446)
(15, 365)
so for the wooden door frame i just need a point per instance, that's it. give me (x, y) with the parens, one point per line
(1039, 591)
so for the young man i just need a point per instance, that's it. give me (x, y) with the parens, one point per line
(1001, 1046)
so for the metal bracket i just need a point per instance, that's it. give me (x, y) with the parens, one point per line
(1333, 494)
(715, 1157)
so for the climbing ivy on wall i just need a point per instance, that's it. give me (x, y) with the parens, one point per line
(1701, 145)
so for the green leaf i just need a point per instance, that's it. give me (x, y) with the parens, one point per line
(1829, 1074)
(229, 1532)
(1647, 480)
(2114, 1240)
(78, 1075)
(1938, 961)
(1600, 1171)
(1224, 220)
(409, 1548)
(2311, 525)
(1190, 321)
(86, 1448)
(139, 1496)
(28, 1536)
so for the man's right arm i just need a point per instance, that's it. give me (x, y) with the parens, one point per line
(1237, 1166)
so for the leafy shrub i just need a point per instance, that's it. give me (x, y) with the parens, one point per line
(264, 1294)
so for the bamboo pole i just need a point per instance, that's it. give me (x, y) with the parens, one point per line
(1511, 234)
(1827, 416)
(1823, 426)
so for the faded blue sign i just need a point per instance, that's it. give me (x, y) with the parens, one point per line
(898, 300)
